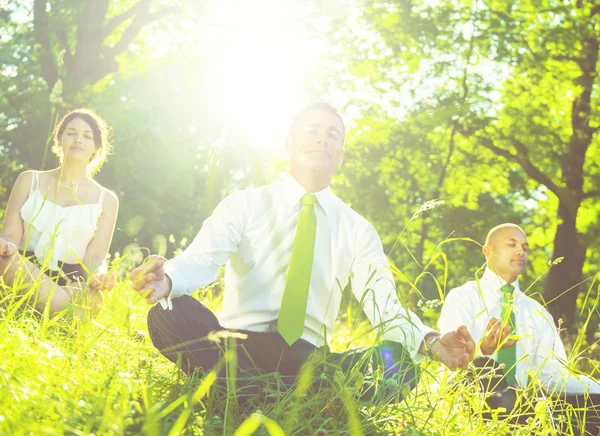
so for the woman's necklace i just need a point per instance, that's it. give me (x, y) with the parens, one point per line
(69, 186)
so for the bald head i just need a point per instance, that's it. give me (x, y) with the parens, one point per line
(506, 250)
(496, 231)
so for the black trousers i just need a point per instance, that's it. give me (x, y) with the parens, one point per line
(71, 271)
(192, 336)
(581, 411)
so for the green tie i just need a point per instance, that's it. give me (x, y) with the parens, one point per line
(295, 294)
(508, 356)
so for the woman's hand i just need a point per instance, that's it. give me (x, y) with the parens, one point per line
(7, 248)
(103, 282)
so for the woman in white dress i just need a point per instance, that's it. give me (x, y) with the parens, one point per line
(59, 224)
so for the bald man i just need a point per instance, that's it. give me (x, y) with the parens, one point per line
(517, 336)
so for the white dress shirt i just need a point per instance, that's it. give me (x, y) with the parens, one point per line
(540, 351)
(252, 232)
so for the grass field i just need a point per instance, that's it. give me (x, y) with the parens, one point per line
(103, 376)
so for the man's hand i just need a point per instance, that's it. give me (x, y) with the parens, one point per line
(103, 282)
(495, 335)
(149, 279)
(7, 248)
(455, 349)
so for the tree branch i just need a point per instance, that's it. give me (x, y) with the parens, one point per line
(89, 40)
(591, 194)
(455, 123)
(134, 28)
(90, 30)
(41, 35)
(530, 169)
(114, 22)
(63, 40)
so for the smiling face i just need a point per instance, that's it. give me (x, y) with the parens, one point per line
(77, 141)
(506, 252)
(316, 142)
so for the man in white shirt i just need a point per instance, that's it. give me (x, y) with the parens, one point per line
(517, 336)
(289, 249)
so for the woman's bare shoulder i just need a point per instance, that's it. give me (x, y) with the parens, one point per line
(44, 177)
(24, 179)
(110, 198)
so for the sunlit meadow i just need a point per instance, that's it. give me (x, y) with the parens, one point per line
(81, 375)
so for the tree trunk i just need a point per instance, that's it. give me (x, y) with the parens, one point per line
(563, 285)
(92, 59)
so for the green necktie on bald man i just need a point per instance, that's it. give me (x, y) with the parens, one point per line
(292, 313)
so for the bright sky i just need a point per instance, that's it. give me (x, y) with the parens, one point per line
(257, 57)
(261, 59)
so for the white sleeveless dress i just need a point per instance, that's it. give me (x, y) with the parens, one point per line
(58, 233)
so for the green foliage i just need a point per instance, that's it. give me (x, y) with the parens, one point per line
(173, 158)
(491, 107)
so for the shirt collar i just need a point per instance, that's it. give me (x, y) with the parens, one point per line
(492, 282)
(294, 191)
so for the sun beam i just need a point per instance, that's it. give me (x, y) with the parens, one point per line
(257, 56)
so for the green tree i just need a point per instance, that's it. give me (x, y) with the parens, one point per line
(549, 121)
(512, 84)
(171, 163)
(89, 36)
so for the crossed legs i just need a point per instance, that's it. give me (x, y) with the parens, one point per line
(582, 412)
(19, 272)
(191, 336)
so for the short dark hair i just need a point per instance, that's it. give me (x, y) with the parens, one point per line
(317, 105)
(100, 130)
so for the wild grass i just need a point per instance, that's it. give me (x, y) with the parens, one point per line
(101, 375)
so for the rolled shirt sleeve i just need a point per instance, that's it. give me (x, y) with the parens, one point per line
(374, 287)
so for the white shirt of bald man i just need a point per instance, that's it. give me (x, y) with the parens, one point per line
(251, 232)
(539, 349)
